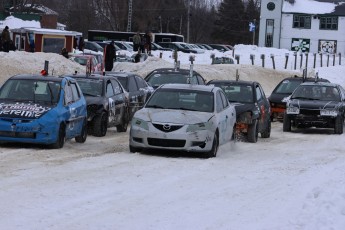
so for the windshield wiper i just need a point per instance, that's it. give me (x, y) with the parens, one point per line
(155, 106)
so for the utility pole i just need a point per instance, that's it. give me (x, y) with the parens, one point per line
(188, 21)
(129, 23)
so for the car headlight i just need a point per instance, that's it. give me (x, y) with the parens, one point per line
(140, 123)
(329, 112)
(292, 110)
(198, 127)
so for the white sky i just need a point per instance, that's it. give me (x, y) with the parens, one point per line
(308, 7)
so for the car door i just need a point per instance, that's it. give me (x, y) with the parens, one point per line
(263, 105)
(76, 109)
(110, 97)
(224, 118)
(144, 92)
(120, 101)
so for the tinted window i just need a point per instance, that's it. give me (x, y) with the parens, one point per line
(110, 90)
(141, 82)
(258, 93)
(287, 86)
(132, 85)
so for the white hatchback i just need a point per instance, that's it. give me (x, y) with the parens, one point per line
(183, 117)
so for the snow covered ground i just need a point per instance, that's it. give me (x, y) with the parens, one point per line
(288, 181)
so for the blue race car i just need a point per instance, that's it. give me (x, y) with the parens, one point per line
(42, 110)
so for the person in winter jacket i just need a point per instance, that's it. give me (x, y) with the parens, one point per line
(6, 38)
(109, 56)
(136, 42)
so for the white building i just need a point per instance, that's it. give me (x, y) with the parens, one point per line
(303, 25)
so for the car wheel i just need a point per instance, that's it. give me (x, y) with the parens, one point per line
(134, 149)
(253, 132)
(124, 124)
(83, 135)
(339, 125)
(267, 132)
(286, 123)
(60, 141)
(100, 125)
(214, 150)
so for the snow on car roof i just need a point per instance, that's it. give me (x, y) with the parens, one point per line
(207, 88)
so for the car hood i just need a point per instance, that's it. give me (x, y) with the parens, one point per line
(23, 110)
(172, 116)
(278, 97)
(314, 104)
(93, 100)
(243, 107)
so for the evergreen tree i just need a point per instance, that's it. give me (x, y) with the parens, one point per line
(230, 26)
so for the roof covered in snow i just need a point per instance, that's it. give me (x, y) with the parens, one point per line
(333, 7)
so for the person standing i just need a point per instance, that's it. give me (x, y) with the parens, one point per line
(148, 40)
(136, 42)
(6, 38)
(109, 56)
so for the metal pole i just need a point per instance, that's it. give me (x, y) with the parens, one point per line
(188, 21)
(254, 32)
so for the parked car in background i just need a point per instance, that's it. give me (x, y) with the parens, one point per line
(171, 75)
(124, 46)
(220, 47)
(183, 117)
(176, 46)
(156, 46)
(93, 46)
(107, 103)
(284, 89)
(42, 110)
(138, 90)
(88, 60)
(252, 107)
(316, 104)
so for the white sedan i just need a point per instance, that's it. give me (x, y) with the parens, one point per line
(183, 117)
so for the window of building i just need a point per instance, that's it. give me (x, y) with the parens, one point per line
(329, 23)
(269, 33)
(302, 21)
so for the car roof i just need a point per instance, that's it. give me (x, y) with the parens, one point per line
(308, 79)
(116, 74)
(233, 82)
(92, 76)
(35, 77)
(320, 84)
(172, 70)
(206, 88)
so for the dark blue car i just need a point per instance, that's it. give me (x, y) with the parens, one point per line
(42, 110)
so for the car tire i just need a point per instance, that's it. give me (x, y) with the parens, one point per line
(124, 124)
(253, 132)
(100, 125)
(60, 141)
(267, 132)
(339, 125)
(214, 150)
(83, 135)
(286, 123)
(133, 149)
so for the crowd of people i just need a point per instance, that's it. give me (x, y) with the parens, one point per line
(142, 44)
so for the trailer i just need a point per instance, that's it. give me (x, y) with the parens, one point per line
(103, 35)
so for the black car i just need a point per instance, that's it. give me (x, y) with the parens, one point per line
(171, 75)
(107, 103)
(252, 108)
(138, 90)
(282, 91)
(316, 104)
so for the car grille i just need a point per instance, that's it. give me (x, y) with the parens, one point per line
(18, 134)
(167, 128)
(309, 112)
(166, 142)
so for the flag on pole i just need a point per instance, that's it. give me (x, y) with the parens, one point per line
(251, 27)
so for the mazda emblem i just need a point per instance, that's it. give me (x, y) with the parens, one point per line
(166, 127)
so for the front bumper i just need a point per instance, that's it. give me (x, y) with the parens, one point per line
(196, 141)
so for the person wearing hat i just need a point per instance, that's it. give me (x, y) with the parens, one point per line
(109, 55)
(5, 39)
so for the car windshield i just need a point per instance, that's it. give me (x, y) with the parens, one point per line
(316, 92)
(158, 79)
(27, 90)
(123, 81)
(80, 60)
(182, 100)
(237, 93)
(287, 87)
(91, 87)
